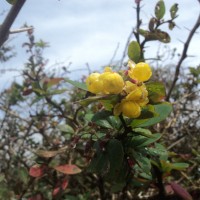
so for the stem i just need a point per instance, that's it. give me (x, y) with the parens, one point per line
(127, 129)
(160, 184)
(138, 22)
(183, 56)
(101, 188)
(10, 18)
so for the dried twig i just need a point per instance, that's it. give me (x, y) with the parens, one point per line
(10, 18)
(183, 56)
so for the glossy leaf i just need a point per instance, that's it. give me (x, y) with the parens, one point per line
(160, 9)
(180, 191)
(134, 51)
(89, 100)
(156, 91)
(142, 161)
(105, 119)
(68, 169)
(173, 11)
(144, 132)
(152, 115)
(99, 163)
(146, 141)
(77, 84)
(115, 156)
(159, 113)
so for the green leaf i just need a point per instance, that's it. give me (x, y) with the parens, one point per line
(134, 51)
(160, 9)
(105, 119)
(179, 166)
(142, 161)
(149, 141)
(144, 132)
(23, 174)
(156, 91)
(65, 128)
(117, 187)
(99, 163)
(54, 92)
(115, 152)
(159, 151)
(89, 100)
(77, 84)
(173, 11)
(159, 113)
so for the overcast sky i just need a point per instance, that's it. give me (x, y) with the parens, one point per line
(90, 30)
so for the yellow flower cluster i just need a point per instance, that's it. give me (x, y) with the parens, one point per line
(133, 91)
(108, 82)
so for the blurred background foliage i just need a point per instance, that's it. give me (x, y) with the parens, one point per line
(39, 121)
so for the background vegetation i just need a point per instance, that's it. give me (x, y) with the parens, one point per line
(54, 145)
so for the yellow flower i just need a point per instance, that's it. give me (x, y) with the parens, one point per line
(93, 83)
(135, 92)
(112, 82)
(141, 71)
(127, 108)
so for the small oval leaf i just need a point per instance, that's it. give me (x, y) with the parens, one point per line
(160, 9)
(134, 51)
(173, 11)
(68, 169)
(37, 170)
(48, 154)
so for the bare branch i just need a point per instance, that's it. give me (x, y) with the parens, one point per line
(183, 56)
(10, 18)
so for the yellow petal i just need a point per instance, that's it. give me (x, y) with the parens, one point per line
(93, 83)
(131, 109)
(141, 72)
(112, 82)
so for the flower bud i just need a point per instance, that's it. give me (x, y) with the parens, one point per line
(112, 82)
(93, 83)
(141, 72)
(131, 109)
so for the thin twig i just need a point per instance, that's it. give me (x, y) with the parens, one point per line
(10, 18)
(114, 54)
(183, 56)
